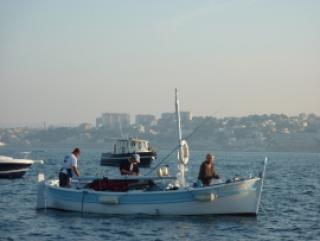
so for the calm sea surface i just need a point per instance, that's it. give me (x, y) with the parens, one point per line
(290, 208)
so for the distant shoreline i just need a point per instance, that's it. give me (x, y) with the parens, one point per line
(256, 133)
(102, 149)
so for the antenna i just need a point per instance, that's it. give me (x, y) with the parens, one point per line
(177, 105)
(120, 126)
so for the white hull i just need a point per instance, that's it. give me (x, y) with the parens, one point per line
(233, 198)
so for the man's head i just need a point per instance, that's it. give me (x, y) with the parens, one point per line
(210, 158)
(76, 152)
(135, 158)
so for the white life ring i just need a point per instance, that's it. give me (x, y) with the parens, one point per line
(185, 152)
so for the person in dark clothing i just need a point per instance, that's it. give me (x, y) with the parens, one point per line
(207, 170)
(130, 167)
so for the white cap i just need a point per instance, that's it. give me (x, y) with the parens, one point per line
(136, 157)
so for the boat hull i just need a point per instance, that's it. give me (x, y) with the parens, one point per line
(13, 174)
(241, 198)
(110, 159)
(13, 170)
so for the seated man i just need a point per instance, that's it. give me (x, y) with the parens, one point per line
(130, 167)
(70, 167)
(207, 170)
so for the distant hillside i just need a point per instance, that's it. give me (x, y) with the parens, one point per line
(251, 133)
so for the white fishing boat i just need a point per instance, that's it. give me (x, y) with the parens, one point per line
(155, 195)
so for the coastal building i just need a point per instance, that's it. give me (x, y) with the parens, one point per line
(85, 126)
(146, 120)
(186, 116)
(113, 120)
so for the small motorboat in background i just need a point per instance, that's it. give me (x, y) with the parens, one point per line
(13, 168)
(124, 148)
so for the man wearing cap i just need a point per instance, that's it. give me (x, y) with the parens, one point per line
(130, 167)
(207, 170)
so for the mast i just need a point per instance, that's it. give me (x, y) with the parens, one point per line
(177, 105)
(181, 166)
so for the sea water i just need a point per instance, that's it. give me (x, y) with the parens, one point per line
(290, 205)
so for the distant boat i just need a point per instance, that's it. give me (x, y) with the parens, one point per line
(13, 168)
(124, 148)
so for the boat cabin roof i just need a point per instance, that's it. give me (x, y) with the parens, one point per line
(132, 140)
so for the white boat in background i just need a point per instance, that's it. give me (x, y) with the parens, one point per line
(123, 149)
(152, 195)
(13, 168)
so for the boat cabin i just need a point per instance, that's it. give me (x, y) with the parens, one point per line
(131, 146)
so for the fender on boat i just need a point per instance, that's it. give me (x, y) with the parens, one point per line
(206, 197)
(109, 200)
(41, 201)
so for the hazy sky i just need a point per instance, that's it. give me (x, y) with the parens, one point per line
(69, 61)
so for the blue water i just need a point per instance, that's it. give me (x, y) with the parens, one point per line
(290, 208)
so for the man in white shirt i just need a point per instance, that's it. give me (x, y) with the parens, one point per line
(70, 167)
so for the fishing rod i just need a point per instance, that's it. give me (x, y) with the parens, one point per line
(178, 146)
